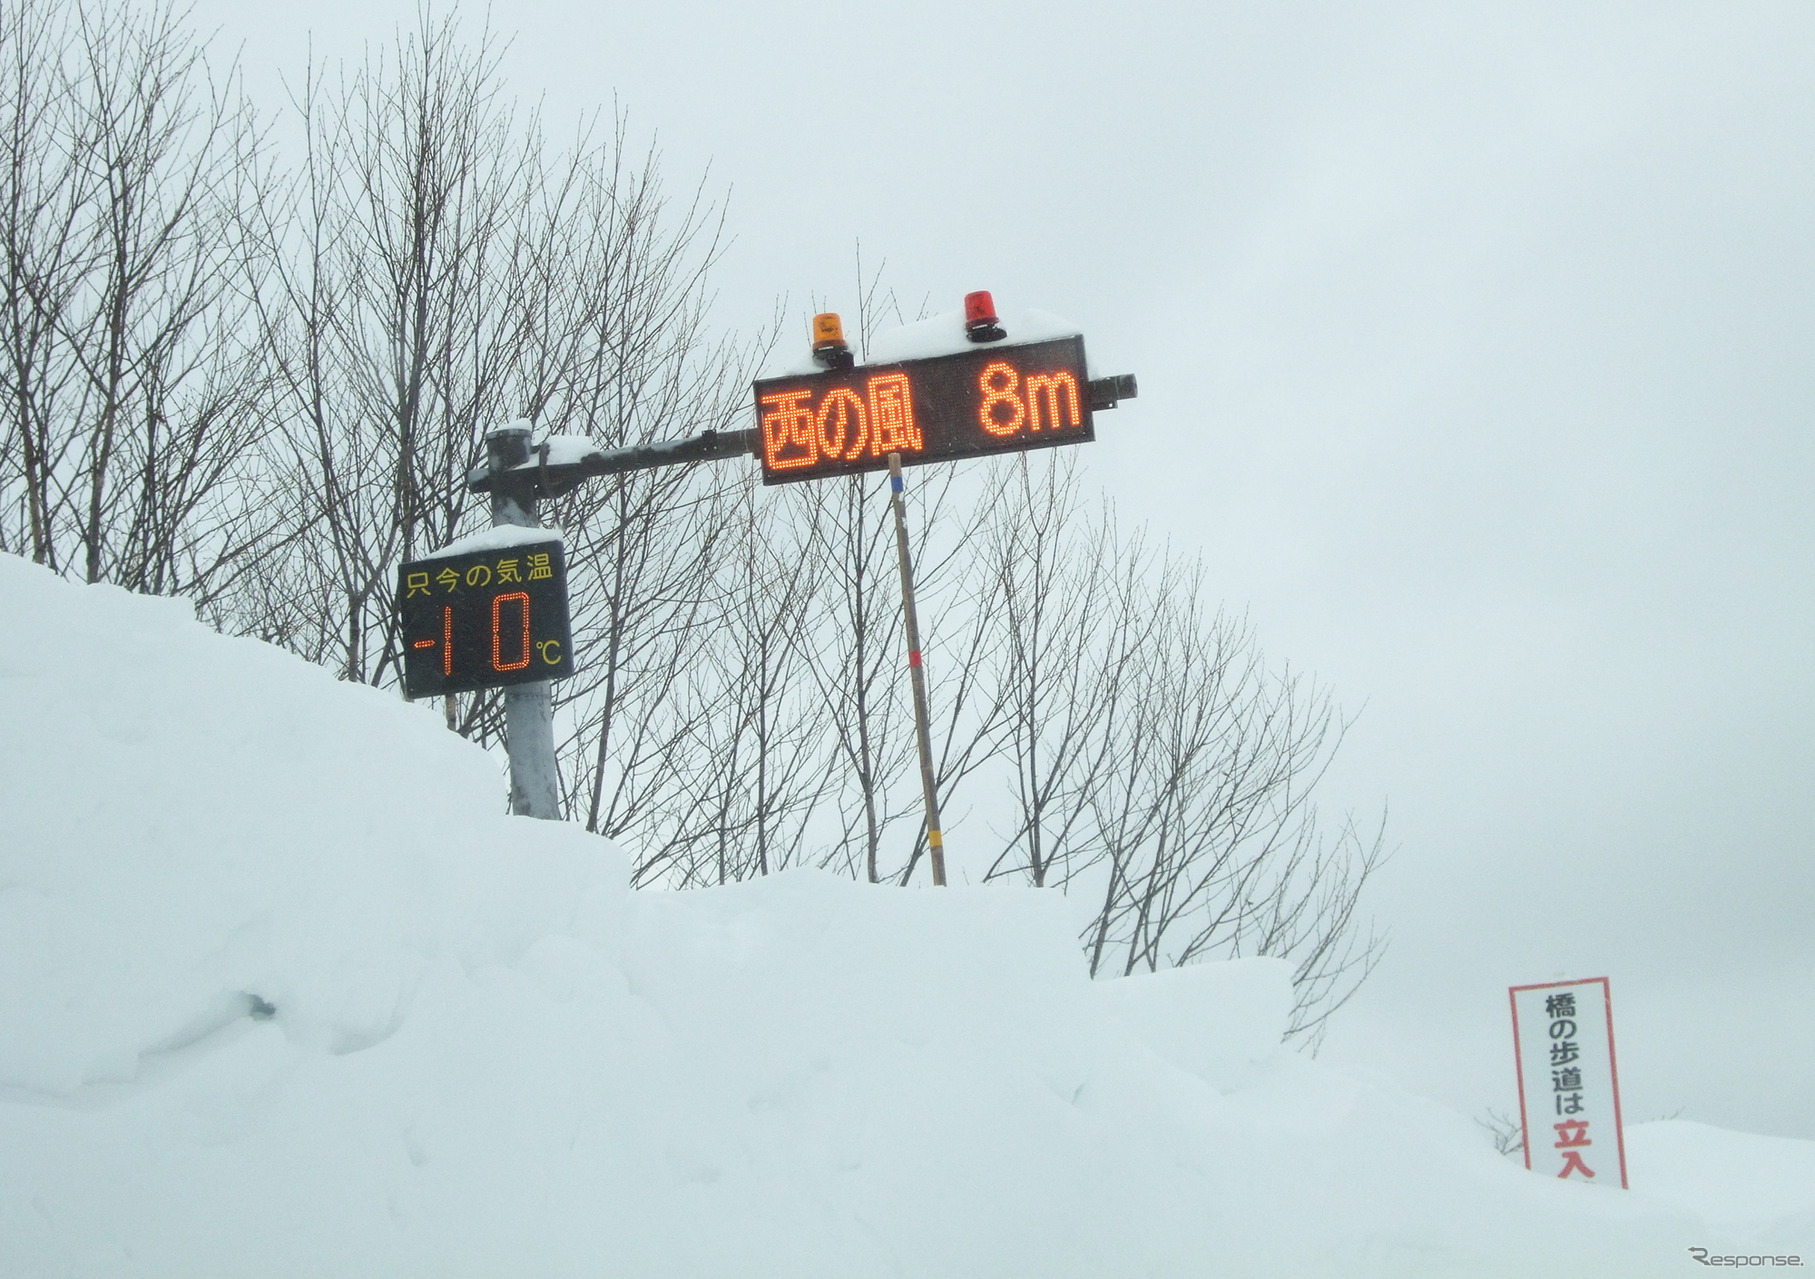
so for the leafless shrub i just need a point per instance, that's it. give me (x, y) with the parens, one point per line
(131, 388)
(1504, 1130)
(442, 270)
(1161, 766)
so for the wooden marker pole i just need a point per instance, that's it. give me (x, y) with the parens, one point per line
(935, 840)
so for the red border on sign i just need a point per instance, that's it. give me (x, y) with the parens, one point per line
(1512, 996)
(1613, 1064)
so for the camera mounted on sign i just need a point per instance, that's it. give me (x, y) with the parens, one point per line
(1107, 392)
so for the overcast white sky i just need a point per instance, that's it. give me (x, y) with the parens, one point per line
(1477, 354)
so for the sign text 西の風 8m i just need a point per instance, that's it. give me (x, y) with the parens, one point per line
(996, 399)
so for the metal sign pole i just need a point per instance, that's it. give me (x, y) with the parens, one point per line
(935, 839)
(529, 713)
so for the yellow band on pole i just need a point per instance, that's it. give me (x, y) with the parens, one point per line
(916, 673)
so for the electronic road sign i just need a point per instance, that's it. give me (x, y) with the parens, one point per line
(484, 619)
(994, 399)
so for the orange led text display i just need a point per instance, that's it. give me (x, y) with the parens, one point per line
(995, 399)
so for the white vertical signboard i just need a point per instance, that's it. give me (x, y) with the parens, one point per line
(1569, 1082)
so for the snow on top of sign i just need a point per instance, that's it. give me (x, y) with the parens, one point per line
(944, 335)
(941, 334)
(789, 361)
(495, 539)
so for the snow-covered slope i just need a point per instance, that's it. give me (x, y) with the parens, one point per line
(282, 992)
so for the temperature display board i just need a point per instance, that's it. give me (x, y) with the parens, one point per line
(484, 619)
(995, 399)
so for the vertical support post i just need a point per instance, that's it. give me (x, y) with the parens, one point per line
(529, 715)
(935, 839)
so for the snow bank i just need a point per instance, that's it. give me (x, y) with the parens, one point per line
(1734, 1179)
(282, 992)
(1218, 1021)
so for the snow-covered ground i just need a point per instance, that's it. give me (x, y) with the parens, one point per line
(282, 992)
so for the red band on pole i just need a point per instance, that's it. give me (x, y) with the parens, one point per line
(913, 657)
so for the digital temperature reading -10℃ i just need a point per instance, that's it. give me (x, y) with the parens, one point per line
(484, 619)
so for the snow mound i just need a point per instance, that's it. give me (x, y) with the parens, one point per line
(284, 993)
(1218, 1021)
(1731, 1178)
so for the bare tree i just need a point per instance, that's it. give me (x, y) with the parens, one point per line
(759, 768)
(642, 367)
(442, 272)
(645, 547)
(388, 330)
(1205, 814)
(1504, 1130)
(853, 653)
(1158, 765)
(1073, 624)
(133, 393)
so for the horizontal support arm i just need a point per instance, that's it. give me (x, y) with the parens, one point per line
(1105, 392)
(555, 478)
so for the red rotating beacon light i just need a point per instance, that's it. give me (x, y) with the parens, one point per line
(980, 323)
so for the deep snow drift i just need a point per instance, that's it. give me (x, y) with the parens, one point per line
(282, 992)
